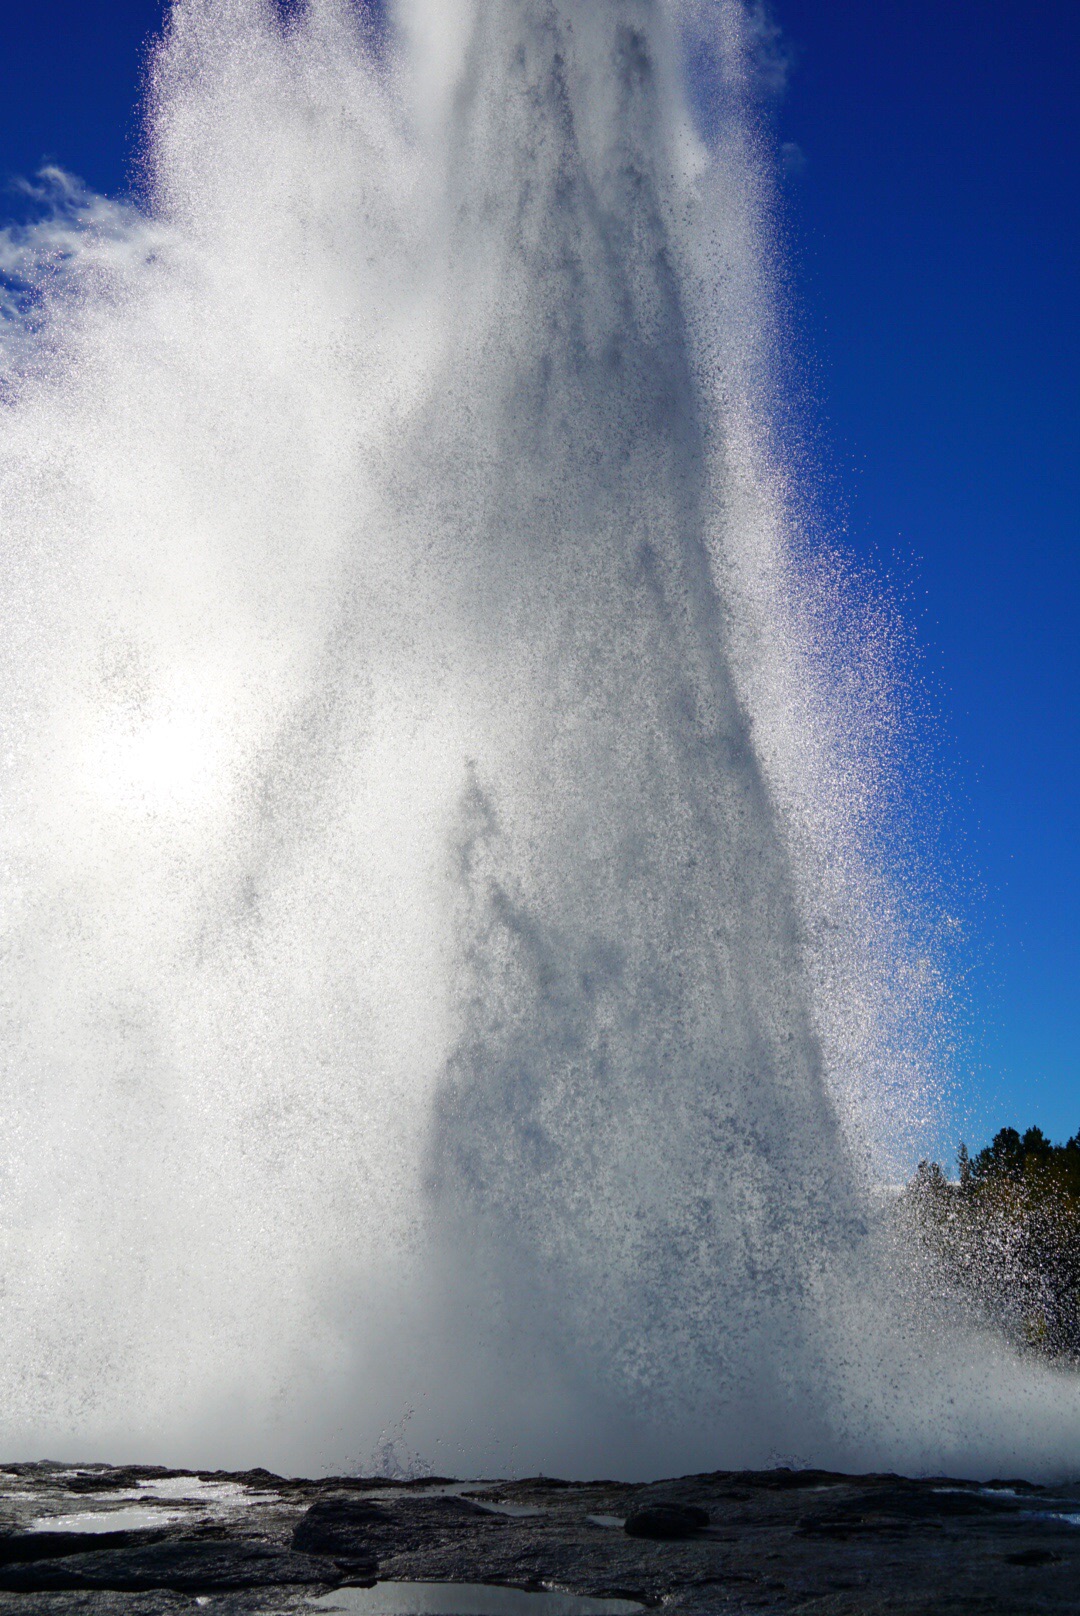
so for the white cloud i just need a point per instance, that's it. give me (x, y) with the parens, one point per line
(792, 158)
(76, 229)
(771, 54)
(743, 39)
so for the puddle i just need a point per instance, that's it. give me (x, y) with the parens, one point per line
(191, 1497)
(196, 1490)
(466, 1599)
(516, 1511)
(1051, 1515)
(614, 1523)
(107, 1520)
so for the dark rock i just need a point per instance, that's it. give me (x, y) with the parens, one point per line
(1033, 1557)
(258, 1478)
(356, 1532)
(894, 1507)
(23, 1547)
(401, 1525)
(110, 1478)
(666, 1522)
(847, 1525)
(784, 1480)
(94, 1481)
(182, 1566)
(930, 1505)
(342, 1528)
(372, 1484)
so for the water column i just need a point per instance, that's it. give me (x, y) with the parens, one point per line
(634, 1119)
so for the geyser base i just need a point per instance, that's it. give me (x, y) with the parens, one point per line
(788, 1540)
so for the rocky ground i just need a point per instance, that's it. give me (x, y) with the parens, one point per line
(141, 1541)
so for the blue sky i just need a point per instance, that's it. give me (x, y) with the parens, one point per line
(933, 230)
(934, 233)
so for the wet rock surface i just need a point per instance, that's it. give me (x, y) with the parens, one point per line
(807, 1541)
(187, 1565)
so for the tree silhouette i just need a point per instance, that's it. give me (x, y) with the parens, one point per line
(1006, 1236)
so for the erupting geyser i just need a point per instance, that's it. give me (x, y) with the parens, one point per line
(453, 1005)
